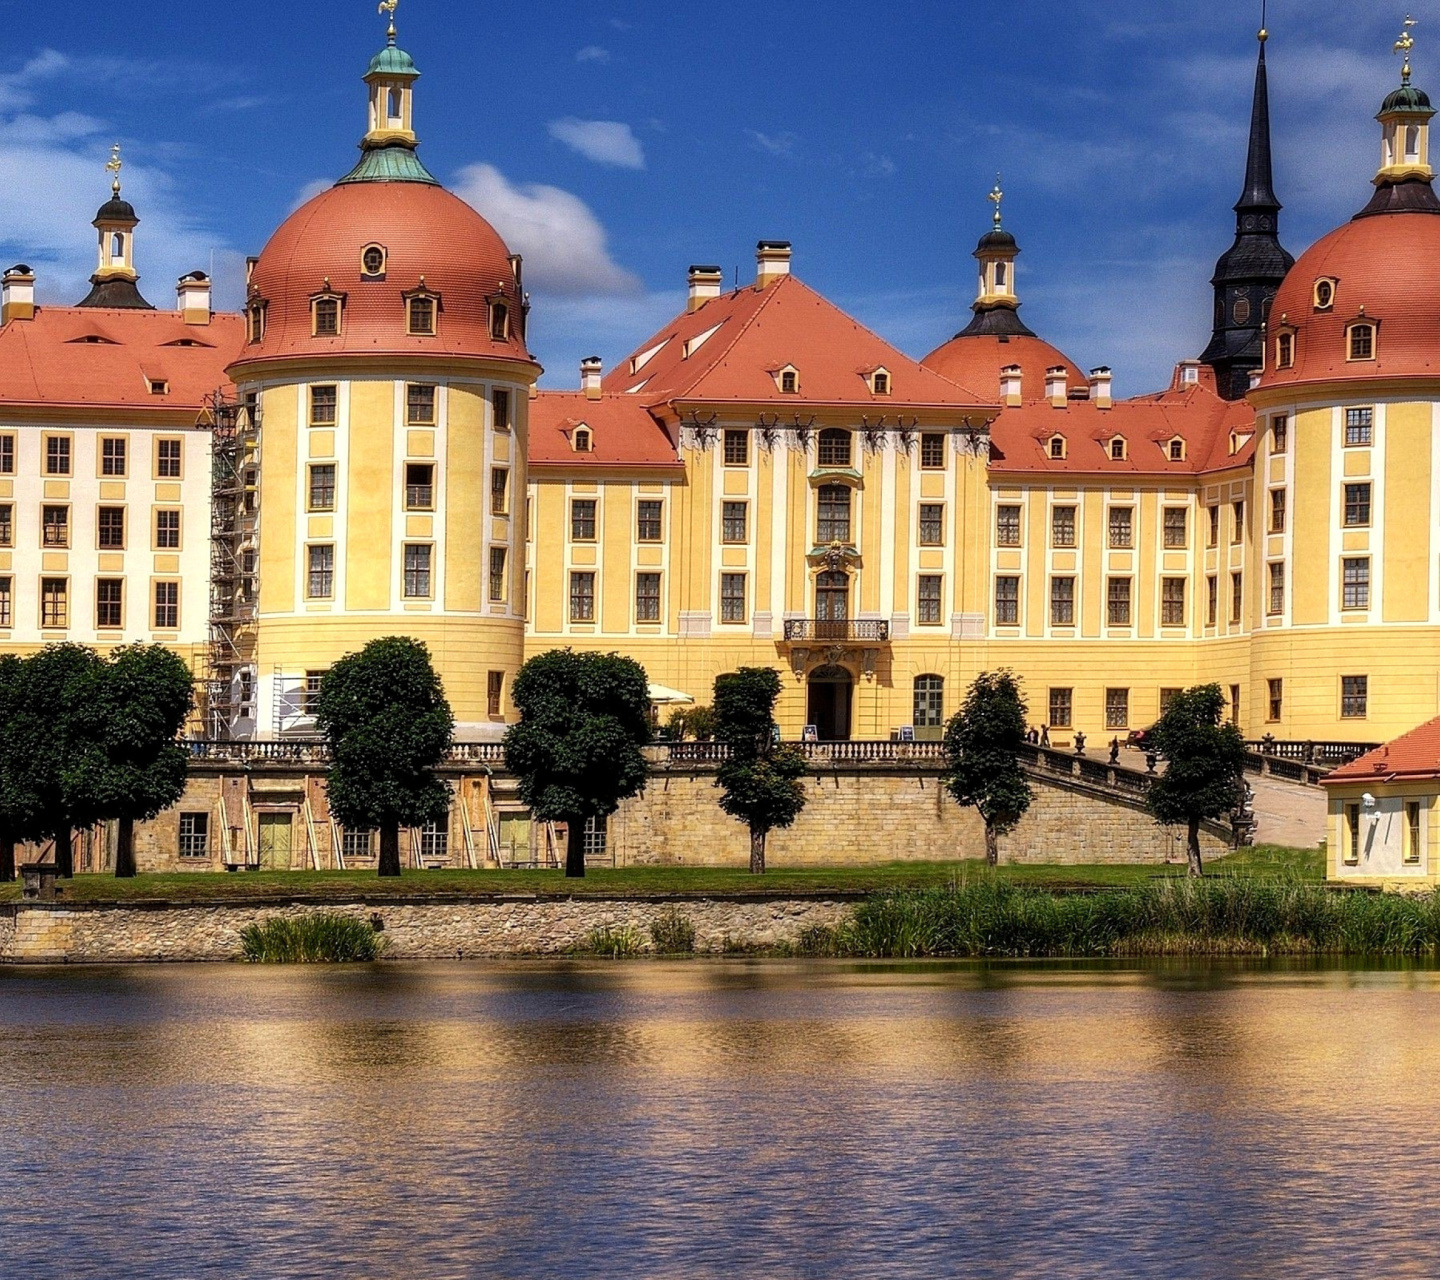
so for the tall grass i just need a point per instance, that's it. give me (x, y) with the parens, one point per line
(615, 942)
(991, 916)
(321, 938)
(672, 933)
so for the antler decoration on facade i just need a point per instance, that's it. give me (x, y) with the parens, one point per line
(907, 432)
(767, 427)
(702, 434)
(802, 430)
(874, 432)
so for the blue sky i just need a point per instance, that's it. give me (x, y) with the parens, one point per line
(616, 143)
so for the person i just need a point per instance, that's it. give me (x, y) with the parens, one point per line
(1044, 735)
(1114, 750)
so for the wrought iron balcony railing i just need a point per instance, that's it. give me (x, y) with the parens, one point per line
(842, 631)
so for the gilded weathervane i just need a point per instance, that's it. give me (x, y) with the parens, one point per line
(995, 197)
(113, 167)
(389, 6)
(1404, 45)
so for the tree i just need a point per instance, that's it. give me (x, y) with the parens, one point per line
(384, 715)
(576, 751)
(11, 801)
(760, 779)
(130, 713)
(982, 756)
(1205, 764)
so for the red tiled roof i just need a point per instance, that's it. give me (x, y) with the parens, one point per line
(108, 358)
(622, 431)
(731, 349)
(1412, 755)
(976, 361)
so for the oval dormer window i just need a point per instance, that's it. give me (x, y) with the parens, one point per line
(1324, 295)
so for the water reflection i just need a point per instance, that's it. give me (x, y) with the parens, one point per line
(758, 1119)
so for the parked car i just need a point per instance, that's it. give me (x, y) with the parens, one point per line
(1141, 739)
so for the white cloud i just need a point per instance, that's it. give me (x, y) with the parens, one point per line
(563, 242)
(877, 166)
(777, 144)
(593, 53)
(603, 141)
(310, 190)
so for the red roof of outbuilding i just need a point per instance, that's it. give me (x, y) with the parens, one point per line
(1412, 755)
(622, 432)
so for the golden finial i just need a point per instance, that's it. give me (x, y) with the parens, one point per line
(389, 6)
(113, 166)
(1404, 45)
(995, 197)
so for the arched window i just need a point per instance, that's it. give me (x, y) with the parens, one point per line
(833, 523)
(882, 384)
(1362, 342)
(1057, 446)
(581, 439)
(1285, 351)
(325, 312)
(394, 109)
(834, 448)
(929, 710)
(117, 246)
(1117, 448)
(1177, 450)
(420, 315)
(499, 322)
(1412, 144)
(789, 382)
(832, 596)
(1001, 275)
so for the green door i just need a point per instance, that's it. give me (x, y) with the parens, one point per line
(275, 840)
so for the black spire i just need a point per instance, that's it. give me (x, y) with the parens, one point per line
(1249, 273)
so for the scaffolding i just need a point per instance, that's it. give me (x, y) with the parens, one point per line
(229, 685)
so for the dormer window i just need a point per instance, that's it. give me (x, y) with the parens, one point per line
(159, 387)
(420, 311)
(880, 382)
(1175, 450)
(499, 321)
(372, 262)
(1361, 340)
(789, 382)
(1117, 449)
(255, 314)
(1057, 446)
(325, 311)
(1324, 294)
(581, 441)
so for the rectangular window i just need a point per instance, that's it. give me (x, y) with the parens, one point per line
(1062, 602)
(310, 698)
(1354, 697)
(1177, 526)
(320, 572)
(1237, 521)
(1007, 526)
(833, 448)
(494, 688)
(167, 530)
(500, 408)
(732, 597)
(1277, 588)
(1167, 696)
(112, 456)
(1212, 536)
(1117, 602)
(1357, 504)
(327, 317)
(1122, 528)
(1117, 708)
(1237, 597)
(194, 835)
(1359, 426)
(110, 522)
(648, 520)
(57, 456)
(7, 525)
(1275, 704)
(1060, 708)
(1277, 510)
(1235, 704)
(582, 520)
(420, 317)
(324, 406)
(932, 451)
(5, 602)
(1355, 582)
(55, 526)
(928, 599)
(435, 839)
(1279, 433)
(1062, 526)
(582, 597)
(1007, 602)
(417, 571)
(734, 522)
(419, 486)
(1412, 831)
(499, 491)
(420, 405)
(322, 486)
(1212, 600)
(833, 522)
(932, 524)
(167, 459)
(647, 597)
(357, 844)
(1172, 602)
(596, 837)
(498, 557)
(1352, 833)
(7, 455)
(737, 448)
(167, 606)
(109, 603)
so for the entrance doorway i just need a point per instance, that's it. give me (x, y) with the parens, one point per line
(828, 706)
(275, 841)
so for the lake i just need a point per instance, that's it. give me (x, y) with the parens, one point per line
(772, 1119)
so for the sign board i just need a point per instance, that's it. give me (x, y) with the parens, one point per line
(811, 734)
(907, 733)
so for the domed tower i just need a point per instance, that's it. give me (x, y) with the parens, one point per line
(387, 365)
(115, 282)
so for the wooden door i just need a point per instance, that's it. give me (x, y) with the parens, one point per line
(276, 835)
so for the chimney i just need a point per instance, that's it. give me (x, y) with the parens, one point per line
(590, 372)
(1010, 386)
(17, 294)
(705, 284)
(772, 258)
(1255, 376)
(192, 298)
(1100, 387)
(1055, 388)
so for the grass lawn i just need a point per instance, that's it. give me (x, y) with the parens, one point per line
(1265, 861)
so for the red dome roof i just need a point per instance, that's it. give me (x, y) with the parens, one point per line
(1386, 265)
(975, 361)
(432, 239)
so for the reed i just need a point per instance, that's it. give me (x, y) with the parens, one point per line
(320, 938)
(672, 933)
(616, 943)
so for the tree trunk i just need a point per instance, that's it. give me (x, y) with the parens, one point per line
(125, 850)
(7, 857)
(390, 849)
(757, 851)
(1192, 848)
(992, 846)
(64, 854)
(575, 848)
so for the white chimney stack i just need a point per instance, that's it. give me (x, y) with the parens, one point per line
(1010, 386)
(1100, 381)
(772, 259)
(17, 294)
(192, 298)
(705, 284)
(591, 370)
(1055, 386)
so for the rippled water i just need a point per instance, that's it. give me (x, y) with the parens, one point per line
(702, 1120)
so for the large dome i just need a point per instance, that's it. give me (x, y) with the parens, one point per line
(974, 360)
(432, 241)
(1386, 270)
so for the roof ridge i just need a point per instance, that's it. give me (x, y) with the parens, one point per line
(767, 295)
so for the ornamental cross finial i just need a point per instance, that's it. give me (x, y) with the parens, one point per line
(389, 6)
(113, 166)
(995, 197)
(1404, 45)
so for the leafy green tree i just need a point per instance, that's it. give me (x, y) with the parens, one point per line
(576, 751)
(130, 712)
(760, 779)
(11, 801)
(982, 756)
(384, 715)
(1205, 764)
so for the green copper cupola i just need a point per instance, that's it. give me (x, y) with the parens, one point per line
(388, 148)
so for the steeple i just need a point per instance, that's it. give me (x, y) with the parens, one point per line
(389, 144)
(996, 304)
(1249, 273)
(115, 282)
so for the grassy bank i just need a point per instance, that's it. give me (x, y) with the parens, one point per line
(993, 915)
